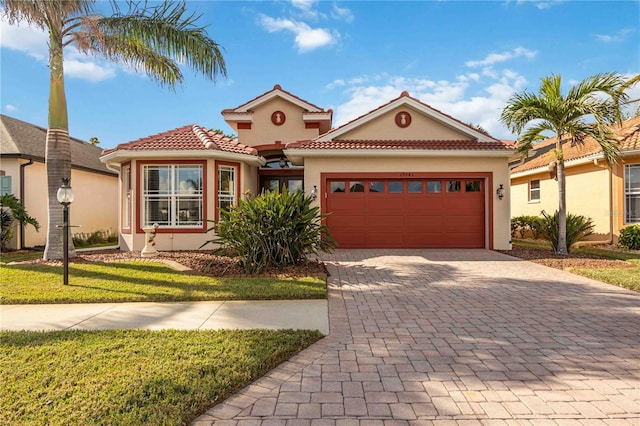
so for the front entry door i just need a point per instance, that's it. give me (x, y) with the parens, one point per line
(292, 182)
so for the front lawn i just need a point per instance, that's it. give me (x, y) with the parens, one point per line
(136, 281)
(132, 377)
(623, 277)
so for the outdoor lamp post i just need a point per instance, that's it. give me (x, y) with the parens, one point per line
(65, 197)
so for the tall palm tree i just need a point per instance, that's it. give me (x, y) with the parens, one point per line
(153, 39)
(596, 99)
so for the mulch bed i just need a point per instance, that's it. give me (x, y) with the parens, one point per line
(201, 262)
(573, 260)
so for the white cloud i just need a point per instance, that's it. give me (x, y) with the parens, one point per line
(342, 13)
(495, 58)
(34, 42)
(470, 98)
(10, 108)
(306, 38)
(304, 5)
(619, 36)
(540, 4)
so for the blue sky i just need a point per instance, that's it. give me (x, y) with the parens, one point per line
(464, 58)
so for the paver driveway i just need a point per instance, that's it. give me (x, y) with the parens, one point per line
(456, 337)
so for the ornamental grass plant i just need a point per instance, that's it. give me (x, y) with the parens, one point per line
(272, 229)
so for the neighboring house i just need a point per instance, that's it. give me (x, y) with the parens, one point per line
(23, 173)
(402, 175)
(608, 195)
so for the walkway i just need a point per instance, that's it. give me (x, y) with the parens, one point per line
(456, 337)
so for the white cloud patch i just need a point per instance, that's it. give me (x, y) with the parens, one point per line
(619, 36)
(10, 108)
(34, 42)
(540, 4)
(470, 98)
(342, 13)
(494, 58)
(306, 38)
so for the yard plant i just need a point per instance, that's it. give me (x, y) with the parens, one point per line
(272, 229)
(589, 108)
(12, 210)
(578, 227)
(630, 237)
(132, 377)
(150, 37)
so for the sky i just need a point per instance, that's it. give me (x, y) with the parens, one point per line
(463, 58)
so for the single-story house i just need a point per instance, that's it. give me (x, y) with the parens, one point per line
(610, 196)
(23, 173)
(402, 175)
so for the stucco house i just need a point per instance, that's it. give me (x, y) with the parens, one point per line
(23, 173)
(402, 175)
(608, 195)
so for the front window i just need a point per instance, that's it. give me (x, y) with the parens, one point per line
(227, 194)
(534, 190)
(632, 193)
(126, 197)
(172, 195)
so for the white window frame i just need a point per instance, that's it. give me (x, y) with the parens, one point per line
(227, 196)
(126, 197)
(172, 196)
(630, 193)
(533, 199)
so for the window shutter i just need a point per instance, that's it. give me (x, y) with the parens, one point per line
(5, 185)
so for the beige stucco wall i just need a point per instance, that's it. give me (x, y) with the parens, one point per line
(94, 207)
(618, 208)
(588, 194)
(264, 132)
(422, 128)
(498, 167)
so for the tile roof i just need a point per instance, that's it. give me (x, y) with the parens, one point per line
(404, 145)
(190, 137)
(275, 87)
(21, 139)
(628, 134)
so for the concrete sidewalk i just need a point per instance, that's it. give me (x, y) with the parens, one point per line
(271, 314)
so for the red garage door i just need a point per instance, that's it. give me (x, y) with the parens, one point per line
(406, 213)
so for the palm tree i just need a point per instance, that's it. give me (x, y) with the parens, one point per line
(153, 39)
(597, 99)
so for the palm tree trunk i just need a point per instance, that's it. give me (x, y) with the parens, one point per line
(58, 154)
(562, 209)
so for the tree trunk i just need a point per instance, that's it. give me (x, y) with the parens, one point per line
(562, 209)
(58, 153)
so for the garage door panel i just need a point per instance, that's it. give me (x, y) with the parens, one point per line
(411, 220)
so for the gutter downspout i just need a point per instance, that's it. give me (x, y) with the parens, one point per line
(22, 167)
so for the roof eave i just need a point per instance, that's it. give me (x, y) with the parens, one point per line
(122, 156)
(568, 163)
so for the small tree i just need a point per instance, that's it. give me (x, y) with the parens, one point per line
(578, 228)
(273, 229)
(12, 210)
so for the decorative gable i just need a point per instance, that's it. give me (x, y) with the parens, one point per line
(277, 117)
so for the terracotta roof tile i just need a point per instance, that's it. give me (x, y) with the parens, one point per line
(191, 137)
(402, 145)
(275, 87)
(628, 135)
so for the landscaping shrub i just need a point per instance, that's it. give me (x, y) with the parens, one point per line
(526, 224)
(11, 210)
(272, 229)
(578, 228)
(95, 239)
(630, 237)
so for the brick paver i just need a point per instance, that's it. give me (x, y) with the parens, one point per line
(421, 337)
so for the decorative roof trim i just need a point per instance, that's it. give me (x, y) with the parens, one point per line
(246, 117)
(568, 163)
(317, 116)
(277, 91)
(405, 99)
(301, 152)
(121, 156)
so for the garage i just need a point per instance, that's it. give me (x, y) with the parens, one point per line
(416, 212)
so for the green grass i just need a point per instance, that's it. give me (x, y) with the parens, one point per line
(132, 377)
(19, 256)
(142, 282)
(623, 277)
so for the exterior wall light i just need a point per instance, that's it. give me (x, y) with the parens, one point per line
(314, 192)
(500, 192)
(65, 197)
(283, 162)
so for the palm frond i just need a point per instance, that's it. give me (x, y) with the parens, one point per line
(44, 14)
(532, 135)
